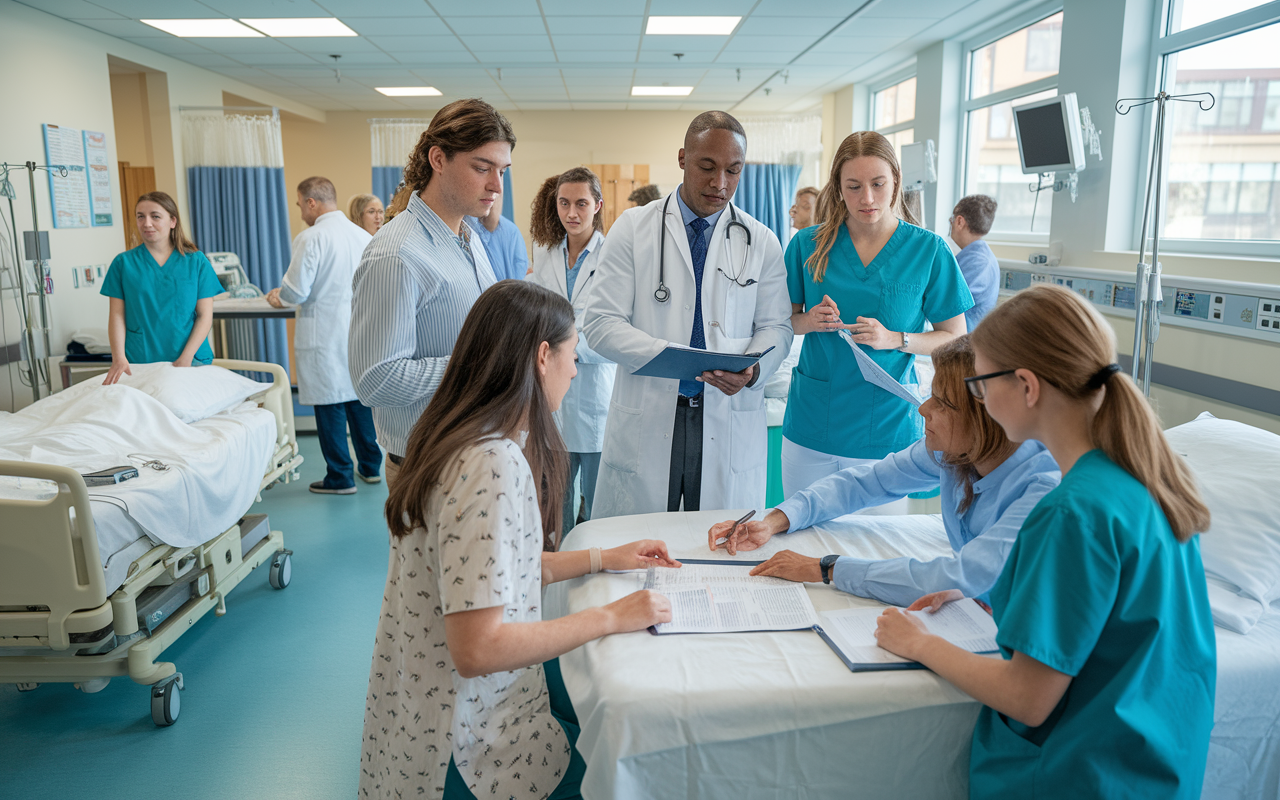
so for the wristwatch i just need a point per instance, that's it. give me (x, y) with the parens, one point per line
(826, 563)
(906, 341)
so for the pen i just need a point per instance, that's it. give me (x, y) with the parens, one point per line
(734, 529)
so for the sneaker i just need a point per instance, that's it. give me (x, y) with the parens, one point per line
(319, 488)
(368, 478)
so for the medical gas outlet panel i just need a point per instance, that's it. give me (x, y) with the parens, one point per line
(1227, 307)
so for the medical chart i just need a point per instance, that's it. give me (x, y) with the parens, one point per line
(707, 598)
(851, 632)
(69, 193)
(875, 374)
(98, 168)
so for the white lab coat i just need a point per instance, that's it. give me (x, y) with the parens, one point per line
(318, 281)
(585, 407)
(626, 323)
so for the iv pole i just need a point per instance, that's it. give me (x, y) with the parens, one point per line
(1148, 293)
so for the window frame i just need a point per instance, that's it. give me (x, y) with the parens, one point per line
(968, 105)
(1165, 44)
(888, 81)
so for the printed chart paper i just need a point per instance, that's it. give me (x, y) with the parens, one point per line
(99, 174)
(69, 194)
(709, 598)
(875, 374)
(852, 631)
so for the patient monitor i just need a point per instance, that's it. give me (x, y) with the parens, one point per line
(232, 275)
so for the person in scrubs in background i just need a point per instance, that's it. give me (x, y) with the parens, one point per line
(970, 221)
(161, 294)
(868, 260)
(502, 243)
(567, 233)
(366, 211)
(1106, 687)
(989, 486)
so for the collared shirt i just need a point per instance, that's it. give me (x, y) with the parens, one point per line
(696, 339)
(981, 271)
(571, 273)
(981, 538)
(687, 215)
(504, 247)
(411, 293)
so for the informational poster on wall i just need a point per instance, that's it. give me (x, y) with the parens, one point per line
(69, 189)
(99, 174)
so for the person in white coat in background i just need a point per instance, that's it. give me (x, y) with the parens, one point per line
(567, 233)
(694, 270)
(318, 281)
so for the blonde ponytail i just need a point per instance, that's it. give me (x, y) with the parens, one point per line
(1060, 337)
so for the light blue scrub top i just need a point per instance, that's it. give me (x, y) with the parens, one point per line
(504, 247)
(1097, 587)
(160, 302)
(830, 408)
(981, 537)
(981, 271)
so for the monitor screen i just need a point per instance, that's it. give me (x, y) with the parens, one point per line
(1043, 136)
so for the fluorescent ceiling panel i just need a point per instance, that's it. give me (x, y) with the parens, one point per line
(302, 26)
(409, 91)
(204, 28)
(661, 91)
(692, 26)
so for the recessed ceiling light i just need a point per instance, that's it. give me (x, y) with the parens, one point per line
(301, 26)
(692, 26)
(211, 28)
(661, 91)
(409, 91)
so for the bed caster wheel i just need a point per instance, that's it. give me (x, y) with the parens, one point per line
(27, 687)
(166, 702)
(281, 569)
(93, 686)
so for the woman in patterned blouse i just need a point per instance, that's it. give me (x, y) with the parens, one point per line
(459, 705)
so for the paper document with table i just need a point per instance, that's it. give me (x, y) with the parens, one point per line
(875, 374)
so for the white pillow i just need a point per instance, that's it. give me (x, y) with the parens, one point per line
(191, 393)
(1238, 469)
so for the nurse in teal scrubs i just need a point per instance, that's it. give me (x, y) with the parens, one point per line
(161, 294)
(867, 267)
(1106, 687)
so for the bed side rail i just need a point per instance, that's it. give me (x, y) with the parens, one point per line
(49, 550)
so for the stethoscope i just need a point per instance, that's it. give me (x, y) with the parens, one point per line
(662, 294)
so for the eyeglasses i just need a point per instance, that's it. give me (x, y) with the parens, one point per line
(977, 385)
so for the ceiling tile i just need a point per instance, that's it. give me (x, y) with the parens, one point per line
(592, 26)
(169, 45)
(617, 8)
(736, 8)
(263, 9)
(565, 42)
(125, 29)
(487, 26)
(496, 8)
(210, 61)
(856, 44)
(589, 105)
(235, 46)
(507, 42)
(406, 44)
(828, 59)
(812, 27)
(896, 27)
(160, 9)
(342, 45)
(790, 45)
(71, 9)
(598, 56)
(391, 8)
(392, 26)
(416, 58)
(505, 58)
(921, 9)
(685, 44)
(812, 8)
(271, 60)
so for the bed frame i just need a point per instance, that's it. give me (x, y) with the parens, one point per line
(61, 623)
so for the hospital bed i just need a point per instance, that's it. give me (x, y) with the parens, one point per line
(765, 715)
(96, 583)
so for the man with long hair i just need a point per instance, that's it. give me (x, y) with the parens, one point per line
(421, 275)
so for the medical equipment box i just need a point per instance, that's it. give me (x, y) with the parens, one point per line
(158, 603)
(253, 529)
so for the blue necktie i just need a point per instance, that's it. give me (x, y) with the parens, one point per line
(698, 250)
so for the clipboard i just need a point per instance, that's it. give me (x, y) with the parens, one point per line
(686, 363)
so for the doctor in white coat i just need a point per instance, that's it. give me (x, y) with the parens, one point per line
(318, 281)
(689, 269)
(566, 231)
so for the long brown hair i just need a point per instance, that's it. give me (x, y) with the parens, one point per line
(177, 237)
(399, 202)
(491, 386)
(952, 363)
(545, 227)
(1065, 342)
(460, 127)
(832, 212)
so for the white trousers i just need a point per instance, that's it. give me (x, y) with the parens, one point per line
(802, 467)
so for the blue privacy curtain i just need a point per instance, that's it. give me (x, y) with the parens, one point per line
(392, 140)
(239, 204)
(766, 191)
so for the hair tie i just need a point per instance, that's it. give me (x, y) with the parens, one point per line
(1100, 377)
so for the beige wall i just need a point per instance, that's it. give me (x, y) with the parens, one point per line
(130, 116)
(547, 143)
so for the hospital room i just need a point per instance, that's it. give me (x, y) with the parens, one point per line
(717, 399)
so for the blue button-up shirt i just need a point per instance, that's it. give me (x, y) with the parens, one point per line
(504, 246)
(413, 289)
(687, 215)
(981, 538)
(981, 271)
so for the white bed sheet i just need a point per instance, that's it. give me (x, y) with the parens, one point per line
(779, 715)
(216, 465)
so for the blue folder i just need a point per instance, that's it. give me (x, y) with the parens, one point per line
(685, 364)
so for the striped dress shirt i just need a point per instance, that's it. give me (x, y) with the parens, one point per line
(416, 282)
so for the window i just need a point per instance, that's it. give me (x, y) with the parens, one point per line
(893, 113)
(1189, 14)
(1017, 68)
(1223, 168)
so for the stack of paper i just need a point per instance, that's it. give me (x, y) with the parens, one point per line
(727, 599)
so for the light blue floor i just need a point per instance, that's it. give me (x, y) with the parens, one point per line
(274, 699)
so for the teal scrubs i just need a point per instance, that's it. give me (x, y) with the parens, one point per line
(160, 302)
(830, 408)
(1097, 587)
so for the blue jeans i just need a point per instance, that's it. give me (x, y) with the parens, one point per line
(331, 426)
(584, 466)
